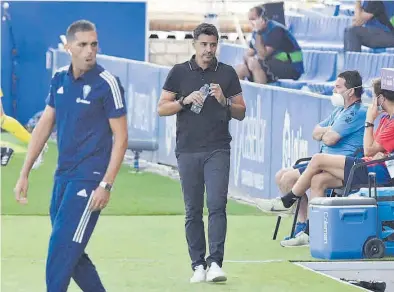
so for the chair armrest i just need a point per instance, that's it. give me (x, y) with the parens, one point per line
(358, 165)
(358, 151)
(305, 159)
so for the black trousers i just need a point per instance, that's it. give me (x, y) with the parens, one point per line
(372, 37)
(198, 171)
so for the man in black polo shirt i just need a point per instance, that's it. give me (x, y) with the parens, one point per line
(203, 145)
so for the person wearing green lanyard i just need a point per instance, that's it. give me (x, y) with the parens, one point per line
(341, 133)
(273, 51)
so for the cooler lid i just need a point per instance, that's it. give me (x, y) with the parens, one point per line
(343, 201)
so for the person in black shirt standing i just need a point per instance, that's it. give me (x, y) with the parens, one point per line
(203, 145)
(372, 26)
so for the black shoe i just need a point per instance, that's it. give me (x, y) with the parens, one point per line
(376, 286)
(6, 154)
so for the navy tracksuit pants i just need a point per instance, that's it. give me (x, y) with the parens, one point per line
(72, 226)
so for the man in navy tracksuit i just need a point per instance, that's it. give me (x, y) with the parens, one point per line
(87, 104)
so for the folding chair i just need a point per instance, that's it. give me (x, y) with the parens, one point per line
(333, 193)
(349, 186)
(279, 219)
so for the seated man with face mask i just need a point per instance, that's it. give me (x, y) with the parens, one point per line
(327, 171)
(273, 52)
(340, 133)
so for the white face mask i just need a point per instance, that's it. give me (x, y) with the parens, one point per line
(256, 23)
(337, 99)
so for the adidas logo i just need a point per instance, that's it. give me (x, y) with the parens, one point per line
(6, 154)
(82, 193)
(60, 90)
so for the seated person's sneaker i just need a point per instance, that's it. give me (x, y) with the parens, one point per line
(301, 239)
(273, 205)
(216, 274)
(199, 275)
(300, 226)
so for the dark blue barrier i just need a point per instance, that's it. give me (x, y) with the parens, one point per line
(276, 131)
(294, 117)
(37, 25)
(251, 156)
(143, 92)
(167, 131)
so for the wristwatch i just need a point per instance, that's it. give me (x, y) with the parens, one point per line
(227, 102)
(368, 124)
(106, 186)
(181, 101)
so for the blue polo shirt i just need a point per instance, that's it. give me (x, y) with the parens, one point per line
(349, 124)
(83, 109)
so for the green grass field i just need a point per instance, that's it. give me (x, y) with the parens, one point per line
(136, 251)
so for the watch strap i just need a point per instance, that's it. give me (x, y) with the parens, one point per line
(106, 186)
(180, 100)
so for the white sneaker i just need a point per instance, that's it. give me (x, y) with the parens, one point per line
(273, 205)
(301, 239)
(40, 158)
(199, 275)
(216, 274)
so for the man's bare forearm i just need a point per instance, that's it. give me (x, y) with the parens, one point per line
(358, 9)
(357, 19)
(319, 132)
(169, 108)
(368, 141)
(117, 155)
(238, 111)
(260, 47)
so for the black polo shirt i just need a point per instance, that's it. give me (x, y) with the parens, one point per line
(208, 130)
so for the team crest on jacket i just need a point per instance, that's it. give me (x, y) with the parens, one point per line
(86, 90)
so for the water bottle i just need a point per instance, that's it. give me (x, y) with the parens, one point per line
(196, 108)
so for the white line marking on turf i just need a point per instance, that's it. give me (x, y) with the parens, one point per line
(149, 260)
(253, 262)
(328, 276)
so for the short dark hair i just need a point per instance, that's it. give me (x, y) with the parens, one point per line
(353, 79)
(260, 10)
(77, 26)
(377, 88)
(205, 28)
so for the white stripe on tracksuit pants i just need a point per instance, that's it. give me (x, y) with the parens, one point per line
(72, 226)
